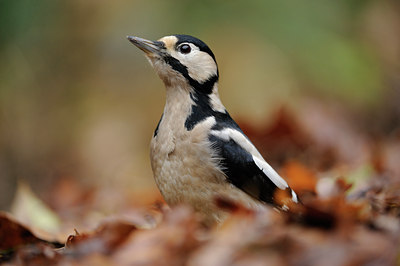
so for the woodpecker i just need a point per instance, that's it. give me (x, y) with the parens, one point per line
(198, 152)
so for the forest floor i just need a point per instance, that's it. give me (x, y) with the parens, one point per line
(347, 180)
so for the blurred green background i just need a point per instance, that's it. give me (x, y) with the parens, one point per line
(78, 100)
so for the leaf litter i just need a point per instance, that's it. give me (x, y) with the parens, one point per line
(347, 216)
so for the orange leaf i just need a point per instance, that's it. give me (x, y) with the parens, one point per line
(300, 178)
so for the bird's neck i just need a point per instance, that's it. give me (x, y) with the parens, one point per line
(215, 101)
(178, 105)
(183, 96)
(178, 96)
(185, 107)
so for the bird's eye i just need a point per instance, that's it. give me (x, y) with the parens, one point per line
(185, 49)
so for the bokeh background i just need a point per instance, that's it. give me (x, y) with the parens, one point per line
(77, 100)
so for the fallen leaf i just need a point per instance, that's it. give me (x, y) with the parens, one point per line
(14, 236)
(27, 207)
(299, 177)
(105, 239)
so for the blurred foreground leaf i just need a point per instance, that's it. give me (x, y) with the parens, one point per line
(29, 208)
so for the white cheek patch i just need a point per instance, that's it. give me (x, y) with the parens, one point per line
(200, 65)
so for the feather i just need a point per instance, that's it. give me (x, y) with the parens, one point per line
(244, 166)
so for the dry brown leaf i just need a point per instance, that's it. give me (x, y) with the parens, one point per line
(168, 244)
(104, 240)
(16, 240)
(13, 234)
(300, 178)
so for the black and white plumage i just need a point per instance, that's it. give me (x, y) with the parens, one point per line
(198, 151)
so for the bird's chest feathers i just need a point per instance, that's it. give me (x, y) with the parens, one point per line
(174, 148)
(171, 129)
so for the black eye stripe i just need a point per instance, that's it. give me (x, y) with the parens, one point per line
(205, 87)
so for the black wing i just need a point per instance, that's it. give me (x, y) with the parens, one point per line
(241, 170)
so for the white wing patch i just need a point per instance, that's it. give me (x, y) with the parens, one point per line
(294, 196)
(270, 172)
(229, 133)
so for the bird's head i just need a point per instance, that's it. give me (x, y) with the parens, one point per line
(181, 59)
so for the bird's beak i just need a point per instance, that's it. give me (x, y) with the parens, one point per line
(149, 47)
